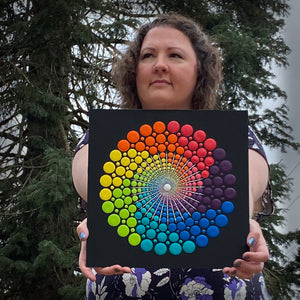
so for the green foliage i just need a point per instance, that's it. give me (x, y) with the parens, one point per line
(55, 62)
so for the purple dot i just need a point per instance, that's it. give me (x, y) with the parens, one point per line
(207, 182)
(218, 181)
(199, 197)
(229, 179)
(206, 201)
(202, 208)
(225, 166)
(216, 204)
(214, 170)
(207, 191)
(218, 192)
(219, 154)
(230, 193)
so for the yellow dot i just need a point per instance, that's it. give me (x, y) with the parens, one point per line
(117, 181)
(105, 194)
(145, 154)
(138, 159)
(115, 155)
(125, 161)
(120, 171)
(133, 166)
(144, 164)
(149, 160)
(132, 153)
(105, 180)
(139, 170)
(129, 174)
(155, 157)
(109, 167)
(147, 168)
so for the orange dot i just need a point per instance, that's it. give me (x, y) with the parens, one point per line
(123, 145)
(154, 134)
(159, 127)
(140, 146)
(145, 130)
(133, 136)
(177, 156)
(161, 148)
(162, 154)
(153, 150)
(172, 138)
(150, 141)
(175, 162)
(171, 147)
(167, 132)
(184, 159)
(142, 138)
(160, 138)
(170, 154)
(169, 160)
(180, 150)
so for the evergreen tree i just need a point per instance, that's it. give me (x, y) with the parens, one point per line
(55, 62)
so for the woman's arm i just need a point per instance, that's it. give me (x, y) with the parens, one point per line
(80, 171)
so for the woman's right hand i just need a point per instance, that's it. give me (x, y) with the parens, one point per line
(83, 234)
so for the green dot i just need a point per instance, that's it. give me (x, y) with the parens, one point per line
(135, 198)
(128, 200)
(134, 191)
(107, 207)
(124, 213)
(131, 222)
(136, 176)
(126, 182)
(134, 239)
(133, 183)
(132, 208)
(113, 220)
(119, 203)
(127, 191)
(117, 193)
(123, 230)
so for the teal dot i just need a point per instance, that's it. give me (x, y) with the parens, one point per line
(163, 227)
(145, 221)
(162, 237)
(138, 215)
(189, 246)
(160, 249)
(151, 233)
(140, 229)
(173, 237)
(146, 245)
(153, 224)
(175, 249)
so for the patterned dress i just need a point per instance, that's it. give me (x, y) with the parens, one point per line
(186, 284)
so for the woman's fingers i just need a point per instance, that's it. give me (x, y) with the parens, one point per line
(82, 230)
(112, 270)
(87, 272)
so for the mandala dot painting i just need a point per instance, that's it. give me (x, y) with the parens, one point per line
(167, 188)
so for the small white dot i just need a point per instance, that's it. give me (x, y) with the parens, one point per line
(167, 187)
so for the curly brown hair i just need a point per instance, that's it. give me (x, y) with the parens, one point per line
(209, 66)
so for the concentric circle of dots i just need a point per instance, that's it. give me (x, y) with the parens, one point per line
(168, 188)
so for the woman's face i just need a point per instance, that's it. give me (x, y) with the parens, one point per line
(167, 70)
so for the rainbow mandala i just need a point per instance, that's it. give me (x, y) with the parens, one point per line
(167, 188)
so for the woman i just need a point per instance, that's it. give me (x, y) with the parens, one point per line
(172, 65)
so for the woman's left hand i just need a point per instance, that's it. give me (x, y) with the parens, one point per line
(253, 261)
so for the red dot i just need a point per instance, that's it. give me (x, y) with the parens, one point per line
(204, 174)
(188, 154)
(210, 144)
(187, 130)
(201, 166)
(183, 141)
(195, 159)
(193, 145)
(201, 152)
(173, 126)
(199, 135)
(209, 161)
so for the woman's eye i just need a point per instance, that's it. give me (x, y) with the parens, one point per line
(176, 55)
(147, 55)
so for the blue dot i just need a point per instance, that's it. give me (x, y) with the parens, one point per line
(189, 222)
(195, 230)
(172, 227)
(151, 233)
(213, 231)
(189, 247)
(162, 237)
(221, 220)
(178, 219)
(171, 220)
(160, 249)
(211, 214)
(138, 215)
(175, 249)
(184, 235)
(202, 241)
(185, 215)
(181, 225)
(146, 245)
(196, 216)
(153, 224)
(164, 220)
(204, 223)
(163, 227)
(140, 229)
(227, 207)
(145, 221)
(173, 237)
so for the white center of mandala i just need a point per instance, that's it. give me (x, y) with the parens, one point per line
(167, 187)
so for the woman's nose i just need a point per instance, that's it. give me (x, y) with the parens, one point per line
(161, 64)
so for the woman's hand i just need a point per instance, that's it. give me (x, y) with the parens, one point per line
(83, 234)
(253, 261)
